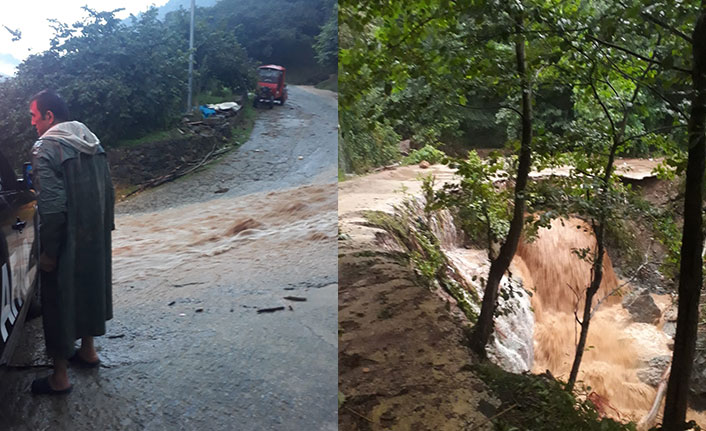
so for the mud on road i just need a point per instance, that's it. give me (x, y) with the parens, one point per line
(187, 348)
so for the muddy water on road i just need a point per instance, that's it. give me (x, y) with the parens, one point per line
(187, 348)
(190, 240)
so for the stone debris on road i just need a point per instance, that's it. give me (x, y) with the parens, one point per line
(295, 298)
(270, 310)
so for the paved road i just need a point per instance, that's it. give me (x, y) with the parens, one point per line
(187, 348)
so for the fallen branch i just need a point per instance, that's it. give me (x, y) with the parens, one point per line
(295, 298)
(176, 173)
(493, 417)
(620, 286)
(649, 419)
(358, 414)
(270, 310)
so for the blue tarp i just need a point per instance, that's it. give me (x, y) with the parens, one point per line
(206, 111)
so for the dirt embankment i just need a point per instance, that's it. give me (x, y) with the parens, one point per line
(140, 164)
(403, 363)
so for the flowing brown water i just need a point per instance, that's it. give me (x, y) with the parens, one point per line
(616, 349)
(190, 241)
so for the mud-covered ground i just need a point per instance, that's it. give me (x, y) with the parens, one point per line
(403, 363)
(193, 262)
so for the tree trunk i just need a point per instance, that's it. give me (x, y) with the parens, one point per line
(590, 293)
(599, 231)
(690, 269)
(485, 325)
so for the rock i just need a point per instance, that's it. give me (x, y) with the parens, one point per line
(670, 321)
(424, 164)
(698, 373)
(652, 373)
(670, 328)
(642, 308)
(670, 314)
(405, 147)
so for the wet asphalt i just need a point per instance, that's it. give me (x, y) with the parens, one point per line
(206, 359)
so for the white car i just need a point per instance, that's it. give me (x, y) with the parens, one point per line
(19, 255)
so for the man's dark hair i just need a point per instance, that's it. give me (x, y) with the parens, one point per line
(47, 100)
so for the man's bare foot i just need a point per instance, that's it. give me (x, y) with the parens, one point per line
(51, 385)
(58, 383)
(88, 355)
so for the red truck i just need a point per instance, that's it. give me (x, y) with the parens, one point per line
(270, 86)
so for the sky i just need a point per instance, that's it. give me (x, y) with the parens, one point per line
(31, 19)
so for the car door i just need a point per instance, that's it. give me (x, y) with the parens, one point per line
(17, 263)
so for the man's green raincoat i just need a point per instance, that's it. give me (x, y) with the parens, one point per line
(75, 202)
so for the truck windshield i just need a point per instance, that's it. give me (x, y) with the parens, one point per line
(269, 75)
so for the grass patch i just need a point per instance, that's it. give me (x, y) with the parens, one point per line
(241, 132)
(157, 136)
(423, 250)
(124, 190)
(538, 403)
(219, 96)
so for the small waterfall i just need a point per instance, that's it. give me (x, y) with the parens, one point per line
(609, 366)
(512, 344)
(536, 329)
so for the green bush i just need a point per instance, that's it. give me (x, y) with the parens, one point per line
(428, 152)
(540, 403)
(365, 143)
(124, 81)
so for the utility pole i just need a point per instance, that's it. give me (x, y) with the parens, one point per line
(191, 56)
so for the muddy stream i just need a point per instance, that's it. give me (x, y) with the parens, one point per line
(187, 348)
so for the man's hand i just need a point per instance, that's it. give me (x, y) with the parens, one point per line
(47, 263)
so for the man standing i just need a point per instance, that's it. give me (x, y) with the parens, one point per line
(75, 203)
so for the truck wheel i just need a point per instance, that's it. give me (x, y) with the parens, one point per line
(254, 103)
(271, 102)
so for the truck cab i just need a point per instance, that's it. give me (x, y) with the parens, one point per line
(271, 86)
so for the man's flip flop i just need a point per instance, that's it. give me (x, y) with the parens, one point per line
(78, 361)
(42, 387)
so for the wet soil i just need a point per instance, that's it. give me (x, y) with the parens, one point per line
(194, 261)
(402, 364)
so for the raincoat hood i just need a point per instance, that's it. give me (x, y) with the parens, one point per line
(75, 134)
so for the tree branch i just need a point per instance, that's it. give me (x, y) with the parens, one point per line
(650, 132)
(617, 95)
(654, 91)
(620, 286)
(600, 102)
(661, 23)
(480, 108)
(634, 54)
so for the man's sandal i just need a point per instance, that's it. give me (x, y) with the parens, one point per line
(43, 387)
